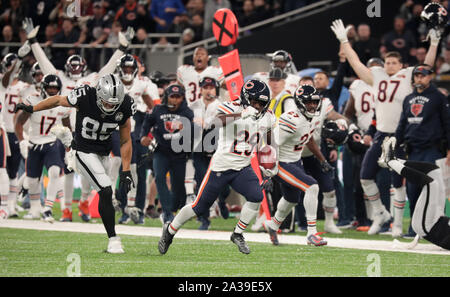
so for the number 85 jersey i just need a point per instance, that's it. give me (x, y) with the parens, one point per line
(93, 128)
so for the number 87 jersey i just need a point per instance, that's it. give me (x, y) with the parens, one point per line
(93, 128)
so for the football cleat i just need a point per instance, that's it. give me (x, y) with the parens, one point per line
(378, 222)
(238, 239)
(31, 216)
(116, 205)
(66, 216)
(84, 210)
(115, 246)
(134, 213)
(330, 227)
(124, 219)
(166, 239)
(396, 231)
(316, 240)
(3, 214)
(48, 216)
(272, 233)
(387, 151)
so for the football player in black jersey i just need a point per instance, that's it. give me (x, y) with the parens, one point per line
(99, 111)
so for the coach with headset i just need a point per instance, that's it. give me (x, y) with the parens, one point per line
(172, 123)
(424, 126)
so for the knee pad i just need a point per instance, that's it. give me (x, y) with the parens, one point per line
(369, 186)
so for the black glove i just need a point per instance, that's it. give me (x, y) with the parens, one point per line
(267, 184)
(327, 168)
(24, 107)
(126, 180)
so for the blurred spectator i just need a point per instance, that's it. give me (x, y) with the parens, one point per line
(401, 40)
(58, 13)
(197, 26)
(14, 15)
(188, 36)
(39, 11)
(49, 35)
(421, 52)
(69, 34)
(194, 7)
(366, 47)
(8, 36)
(131, 14)
(262, 10)
(141, 37)
(95, 32)
(444, 68)
(352, 35)
(293, 4)
(415, 23)
(246, 15)
(210, 8)
(164, 11)
(406, 10)
(86, 8)
(113, 39)
(162, 46)
(179, 24)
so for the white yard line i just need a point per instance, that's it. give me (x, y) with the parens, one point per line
(377, 245)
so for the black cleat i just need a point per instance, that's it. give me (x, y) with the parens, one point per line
(239, 240)
(165, 240)
(272, 233)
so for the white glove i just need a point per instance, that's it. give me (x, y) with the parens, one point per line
(352, 127)
(69, 159)
(125, 38)
(269, 172)
(62, 133)
(24, 148)
(434, 36)
(248, 112)
(24, 50)
(27, 25)
(339, 30)
(342, 122)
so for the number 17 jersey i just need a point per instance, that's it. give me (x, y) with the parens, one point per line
(93, 128)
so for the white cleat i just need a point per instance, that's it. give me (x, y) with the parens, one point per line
(31, 216)
(48, 216)
(378, 221)
(330, 227)
(115, 246)
(387, 151)
(3, 214)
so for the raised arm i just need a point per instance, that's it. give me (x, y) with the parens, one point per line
(434, 36)
(49, 103)
(360, 69)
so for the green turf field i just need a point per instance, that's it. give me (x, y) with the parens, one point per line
(44, 253)
(51, 253)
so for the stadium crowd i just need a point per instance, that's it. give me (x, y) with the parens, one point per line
(343, 194)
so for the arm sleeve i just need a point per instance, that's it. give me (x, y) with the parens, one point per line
(45, 64)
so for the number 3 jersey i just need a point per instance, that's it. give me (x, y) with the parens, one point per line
(93, 128)
(239, 138)
(42, 121)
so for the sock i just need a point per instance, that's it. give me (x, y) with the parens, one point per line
(284, 207)
(4, 189)
(131, 196)
(55, 182)
(85, 189)
(372, 194)
(184, 215)
(399, 205)
(106, 211)
(68, 191)
(12, 197)
(248, 214)
(310, 203)
(35, 195)
(329, 204)
(115, 163)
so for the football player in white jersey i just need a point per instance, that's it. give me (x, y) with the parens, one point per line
(244, 124)
(391, 85)
(42, 147)
(143, 91)
(281, 59)
(74, 76)
(294, 132)
(4, 179)
(14, 91)
(189, 76)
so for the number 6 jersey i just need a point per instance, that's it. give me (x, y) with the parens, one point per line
(93, 128)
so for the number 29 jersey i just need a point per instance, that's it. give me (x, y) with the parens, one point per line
(93, 128)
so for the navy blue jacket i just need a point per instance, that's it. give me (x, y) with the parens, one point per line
(425, 119)
(169, 128)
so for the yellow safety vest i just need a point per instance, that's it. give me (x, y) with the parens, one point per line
(276, 105)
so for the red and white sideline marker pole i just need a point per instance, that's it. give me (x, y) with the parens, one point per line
(226, 30)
